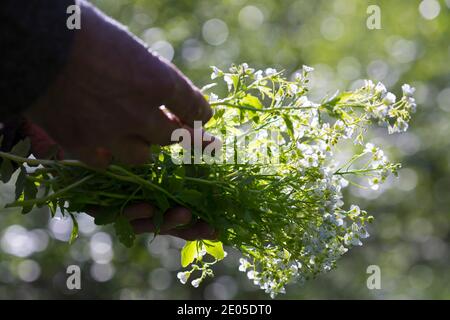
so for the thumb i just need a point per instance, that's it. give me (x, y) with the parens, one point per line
(41, 143)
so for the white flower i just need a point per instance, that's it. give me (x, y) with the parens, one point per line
(252, 274)
(339, 220)
(183, 276)
(356, 242)
(270, 71)
(303, 101)
(378, 155)
(408, 91)
(229, 81)
(258, 75)
(343, 183)
(374, 183)
(363, 234)
(370, 148)
(368, 84)
(402, 125)
(382, 111)
(196, 282)
(298, 76)
(348, 132)
(213, 97)
(307, 69)
(390, 98)
(216, 73)
(351, 239)
(293, 89)
(339, 125)
(380, 88)
(294, 269)
(243, 265)
(354, 210)
(412, 103)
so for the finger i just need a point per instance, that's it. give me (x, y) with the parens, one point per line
(173, 89)
(200, 134)
(172, 218)
(41, 142)
(143, 226)
(187, 102)
(201, 230)
(139, 211)
(131, 150)
(176, 217)
(159, 128)
(96, 157)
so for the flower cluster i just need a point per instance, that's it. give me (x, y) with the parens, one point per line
(383, 105)
(306, 227)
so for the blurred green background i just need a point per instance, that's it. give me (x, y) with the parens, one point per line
(411, 233)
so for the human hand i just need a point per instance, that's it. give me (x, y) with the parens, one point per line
(140, 215)
(105, 103)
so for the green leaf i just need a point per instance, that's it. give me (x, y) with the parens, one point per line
(26, 209)
(179, 172)
(188, 253)
(29, 193)
(192, 197)
(22, 148)
(214, 248)
(289, 125)
(20, 182)
(158, 219)
(53, 205)
(30, 190)
(252, 101)
(6, 170)
(61, 205)
(235, 79)
(255, 119)
(124, 231)
(175, 183)
(74, 233)
(155, 149)
(161, 201)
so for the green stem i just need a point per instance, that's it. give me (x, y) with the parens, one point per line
(18, 159)
(50, 197)
(131, 177)
(115, 196)
(36, 162)
(223, 103)
(356, 171)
